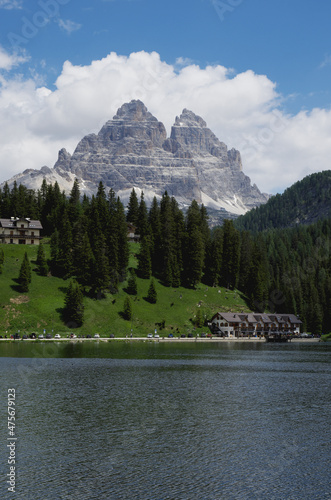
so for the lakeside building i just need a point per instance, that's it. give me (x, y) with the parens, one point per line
(20, 231)
(254, 324)
(132, 235)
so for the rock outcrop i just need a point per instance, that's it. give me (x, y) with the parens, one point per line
(132, 150)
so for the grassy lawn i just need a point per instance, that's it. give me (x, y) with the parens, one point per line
(40, 308)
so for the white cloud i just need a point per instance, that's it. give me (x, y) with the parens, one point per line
(10, 4)
(326, 61)
(68, 26)
(242, 110)
(8, 61)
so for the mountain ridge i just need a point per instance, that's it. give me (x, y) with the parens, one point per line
(133, 151)
(303, 203)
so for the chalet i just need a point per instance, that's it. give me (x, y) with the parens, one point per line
(132, 235)
(20, 231)
(251, 324)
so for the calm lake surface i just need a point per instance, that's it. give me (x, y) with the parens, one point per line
(166, 421)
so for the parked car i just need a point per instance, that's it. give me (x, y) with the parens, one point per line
(150, 336)
(203, 335)
(24, 337)
(88, 336)
(40, 336)
(170, 336)
(156, 336)
(48, 336)
(111, 336)
(190, 335)
(96, 336)
(57, 336)
(183, 336)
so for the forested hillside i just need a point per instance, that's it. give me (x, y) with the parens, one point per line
(305, 202)
(280, 270)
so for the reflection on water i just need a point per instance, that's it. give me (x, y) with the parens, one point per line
(162, 421)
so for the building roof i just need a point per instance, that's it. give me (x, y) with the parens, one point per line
(12, 222)
(229, 317)
(255, 318)
(293, 319)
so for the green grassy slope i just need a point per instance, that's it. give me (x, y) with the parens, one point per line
(40, 308)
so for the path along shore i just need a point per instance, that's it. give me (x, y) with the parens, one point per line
(163, 339)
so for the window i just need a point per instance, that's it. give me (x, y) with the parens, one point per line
(32, 242)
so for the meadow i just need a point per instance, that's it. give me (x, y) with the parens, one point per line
(41, 307)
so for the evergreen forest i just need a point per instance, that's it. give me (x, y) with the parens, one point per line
(285, 270)
(305, 202)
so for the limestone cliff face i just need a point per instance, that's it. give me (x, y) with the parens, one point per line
(132, 150)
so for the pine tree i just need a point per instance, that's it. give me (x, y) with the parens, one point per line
(14, 201)
(102, 206)
(74, 206)
(132, 288)
(122, 240)
(168, 243)
(155, 225)
(101, 272)
(231, 255)
(127, 309)
(83, 260)
(199, 319)
(204, 226)
(53, 209)
(246, 260)
(2, 259)
(144, 259)
(177, 254)
(74, 305)
(142, 222)
(195, 245)
(152, 293)
(112, 233)
(100, 279)
(213, 259)
(133, 209)
(257, 279)
(194, 258)
(5, 202)
(41, 261)
(24, 277)
(65, 254)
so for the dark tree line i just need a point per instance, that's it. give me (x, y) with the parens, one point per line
(90, 242)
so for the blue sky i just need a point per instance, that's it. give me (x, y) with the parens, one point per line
(257, 71)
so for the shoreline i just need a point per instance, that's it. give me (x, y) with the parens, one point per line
(166, 339)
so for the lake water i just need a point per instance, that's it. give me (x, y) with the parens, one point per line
(166, 421)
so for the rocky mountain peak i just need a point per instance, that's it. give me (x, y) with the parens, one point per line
(190, 133)
(133, 122)
(189, 119)
(135, 111)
